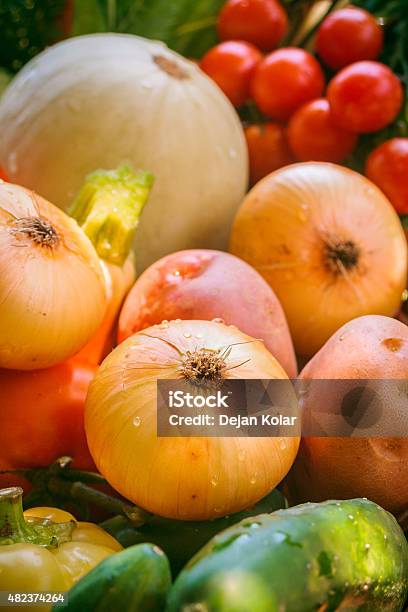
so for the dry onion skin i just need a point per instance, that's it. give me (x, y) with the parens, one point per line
(186, 478)
(53, 291)
(328, 242)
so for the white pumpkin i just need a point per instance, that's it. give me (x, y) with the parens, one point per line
(97, 101)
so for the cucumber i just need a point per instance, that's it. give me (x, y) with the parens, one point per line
(180, 540)
(136, 579)
(348, 555)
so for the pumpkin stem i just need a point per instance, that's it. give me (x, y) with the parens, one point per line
(108, 209)
(341, 255)
(171, 67)
(14, 528)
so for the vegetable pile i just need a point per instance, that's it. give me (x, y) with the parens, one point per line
(226, 211)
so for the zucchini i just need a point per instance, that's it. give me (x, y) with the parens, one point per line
(348, 555)
(136, 579)
(180, 540)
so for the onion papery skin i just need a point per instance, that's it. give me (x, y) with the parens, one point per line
(52, 297)
(284, 229)
(186, 478)
(100, 100)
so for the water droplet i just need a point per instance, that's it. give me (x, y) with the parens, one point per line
(367, 546)
(136, 421)
(214, 481)
(176, 273)
(187, 335)
(217, 509)
(365, 587)
(308, 565)
(232, 153)
(342, 337)
(404, 296)
(218, 320)
(351, 517)
(385, 536)
(282, 444)
(252, 480)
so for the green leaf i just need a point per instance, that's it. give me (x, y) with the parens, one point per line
(187, 26)
(88, 18)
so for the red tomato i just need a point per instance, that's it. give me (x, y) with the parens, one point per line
(261, 22)
(230, 65)
(284, 80)
(268, 149)
(387, 167)
(42, 414)
(365, 97)
(349, 35)
(314, 137)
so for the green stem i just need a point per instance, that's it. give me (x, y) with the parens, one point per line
(15, 529)
(108, 209)
(78, 491)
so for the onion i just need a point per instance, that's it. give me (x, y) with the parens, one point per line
(183, 477)
(97, 101)
(53, 291)
(328, 242)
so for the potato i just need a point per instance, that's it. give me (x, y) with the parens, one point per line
(370, 347)
(204, 284)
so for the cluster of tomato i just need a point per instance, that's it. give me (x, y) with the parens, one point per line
(311, 122)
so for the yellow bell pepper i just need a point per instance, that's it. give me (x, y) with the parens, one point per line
(46, 549)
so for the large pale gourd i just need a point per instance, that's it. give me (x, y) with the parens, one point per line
(97, 101)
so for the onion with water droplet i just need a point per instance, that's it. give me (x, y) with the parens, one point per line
(330, 245)
(190, 478)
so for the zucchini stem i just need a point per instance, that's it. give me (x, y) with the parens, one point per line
(108, 209)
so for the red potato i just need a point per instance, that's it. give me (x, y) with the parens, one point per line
(204, 284)
(370, 347)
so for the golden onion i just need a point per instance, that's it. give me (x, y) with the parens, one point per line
(53, 292)
(190, 478)
(328, 242)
